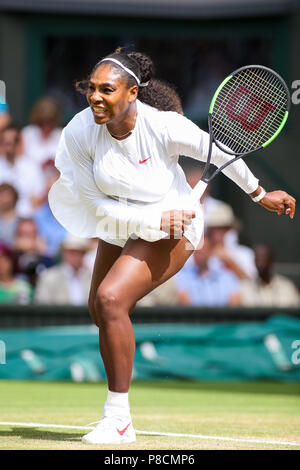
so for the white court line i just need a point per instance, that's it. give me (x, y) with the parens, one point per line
(156, 433)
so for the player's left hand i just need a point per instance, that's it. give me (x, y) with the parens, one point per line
(280, 202)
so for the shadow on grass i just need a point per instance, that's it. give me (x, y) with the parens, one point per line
(266, 388)
(174, 383)
(42, 434)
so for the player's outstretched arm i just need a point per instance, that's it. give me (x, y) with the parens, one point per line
(277, 201)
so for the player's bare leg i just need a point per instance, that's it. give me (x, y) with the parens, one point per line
(106, 255)
(141, 267)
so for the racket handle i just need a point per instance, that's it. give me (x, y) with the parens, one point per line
(198, 190)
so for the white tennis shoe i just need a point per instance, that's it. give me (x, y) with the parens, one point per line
(111, 430)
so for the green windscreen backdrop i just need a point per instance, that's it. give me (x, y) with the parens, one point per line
(268, 350)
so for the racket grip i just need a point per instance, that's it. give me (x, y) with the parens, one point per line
(198, 190)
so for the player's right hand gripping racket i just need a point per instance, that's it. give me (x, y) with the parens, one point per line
(247, 113)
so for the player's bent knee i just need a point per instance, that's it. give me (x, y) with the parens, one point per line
(108, 306)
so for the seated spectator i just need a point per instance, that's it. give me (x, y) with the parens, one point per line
(205, 282)
(8, 214)
(49, 228)
(236, 257)
(12, 290)
(30, 251)
(268, 289)
(69, 282)
(21, 172)
(41, 136)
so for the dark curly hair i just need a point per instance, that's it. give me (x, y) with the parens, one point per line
(161, 95)
(158, 93)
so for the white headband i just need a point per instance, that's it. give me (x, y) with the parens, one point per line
(126, 70)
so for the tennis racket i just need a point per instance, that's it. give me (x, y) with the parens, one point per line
(247, 112)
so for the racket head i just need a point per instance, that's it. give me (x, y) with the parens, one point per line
(249, 109)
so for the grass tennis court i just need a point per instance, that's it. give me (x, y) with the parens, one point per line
(256, 411)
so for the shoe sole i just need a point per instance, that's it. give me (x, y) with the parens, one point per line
(121, 441)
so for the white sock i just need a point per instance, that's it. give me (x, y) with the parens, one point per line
(117, 404)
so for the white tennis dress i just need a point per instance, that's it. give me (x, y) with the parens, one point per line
(115, 189)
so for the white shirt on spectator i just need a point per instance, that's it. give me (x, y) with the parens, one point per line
(75, 284)
(37, 147)
(279, 292)
(60, 285)
(28, 180)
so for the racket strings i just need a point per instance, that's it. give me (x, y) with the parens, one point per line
(271, 81)
(271, 95)
(256, 88)
(263, 132)
(241, 106)
(273, 89)
(249, 109)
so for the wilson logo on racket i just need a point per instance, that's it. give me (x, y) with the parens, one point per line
(245, 103)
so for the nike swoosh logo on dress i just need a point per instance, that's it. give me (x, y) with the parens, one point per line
(143, 161)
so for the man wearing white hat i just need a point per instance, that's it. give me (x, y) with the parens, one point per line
(68, 282)
(222, 227)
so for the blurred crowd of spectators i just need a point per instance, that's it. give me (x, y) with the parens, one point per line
(41, 263)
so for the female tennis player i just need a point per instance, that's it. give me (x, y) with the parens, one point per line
(120, 181)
